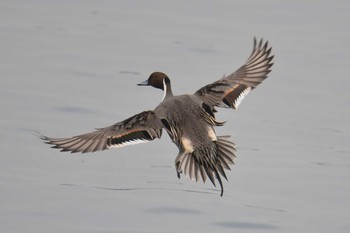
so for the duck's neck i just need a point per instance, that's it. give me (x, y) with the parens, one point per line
(167, 89)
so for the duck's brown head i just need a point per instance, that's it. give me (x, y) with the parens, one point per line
(158, 80)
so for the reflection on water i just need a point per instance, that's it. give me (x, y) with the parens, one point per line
(213, 192)
(129, 72)
(71, 109)
(265, 208)
(171, 210)
(156, 188)
(246, 225)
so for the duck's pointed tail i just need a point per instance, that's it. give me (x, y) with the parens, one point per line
(212, 164)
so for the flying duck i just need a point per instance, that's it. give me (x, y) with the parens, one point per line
(188, 119)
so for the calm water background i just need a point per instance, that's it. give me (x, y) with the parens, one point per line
(67, 67)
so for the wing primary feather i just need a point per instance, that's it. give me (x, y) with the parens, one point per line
(142, 127)
(227, 91)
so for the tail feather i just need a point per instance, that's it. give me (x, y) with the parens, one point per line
(224, 163)
(221, 171)
(210, 174)
(226, 149)
(203, 174)
(220, 182)
(208, 165)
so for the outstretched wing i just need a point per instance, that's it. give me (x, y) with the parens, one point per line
(231, 90)
(142, 127)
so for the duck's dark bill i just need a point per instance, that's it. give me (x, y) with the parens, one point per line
(144, 83)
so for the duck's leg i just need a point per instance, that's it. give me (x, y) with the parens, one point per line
(178, 170)
(178, 174)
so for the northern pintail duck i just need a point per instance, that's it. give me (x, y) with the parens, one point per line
(188, 119)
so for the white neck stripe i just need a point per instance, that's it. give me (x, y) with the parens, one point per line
(164, 87)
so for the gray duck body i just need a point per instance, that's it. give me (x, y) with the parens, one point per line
(191, 128)
(189, 120)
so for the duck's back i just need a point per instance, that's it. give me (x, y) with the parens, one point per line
(185, 120)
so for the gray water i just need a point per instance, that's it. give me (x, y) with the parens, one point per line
(68, 67)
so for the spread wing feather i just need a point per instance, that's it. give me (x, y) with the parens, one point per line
(231, 90)
(140, 128)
